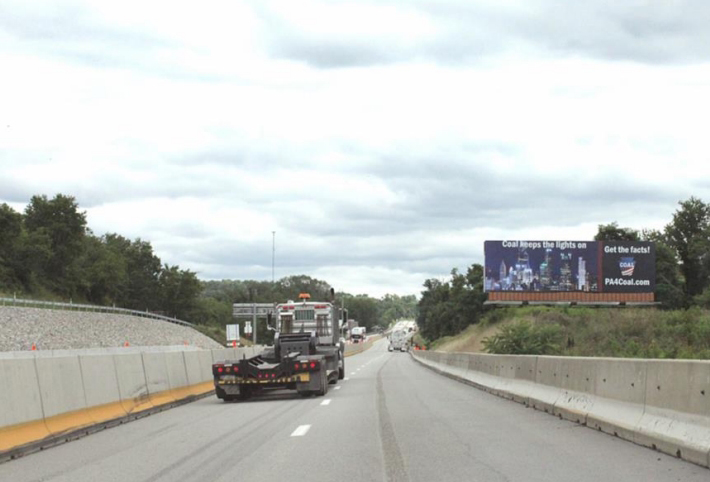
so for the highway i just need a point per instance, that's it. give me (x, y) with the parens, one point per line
(390, 420)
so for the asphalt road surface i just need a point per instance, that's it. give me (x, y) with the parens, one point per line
(390, 420)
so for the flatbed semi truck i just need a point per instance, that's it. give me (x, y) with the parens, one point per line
(308, 354)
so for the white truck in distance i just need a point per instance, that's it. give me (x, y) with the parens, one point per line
(401, 336)
(357, 334)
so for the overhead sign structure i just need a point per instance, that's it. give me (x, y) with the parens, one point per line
(253, 311)
(247, 310)
(570, 266)
(232, 332)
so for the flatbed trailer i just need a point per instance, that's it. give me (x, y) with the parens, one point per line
(308, 355)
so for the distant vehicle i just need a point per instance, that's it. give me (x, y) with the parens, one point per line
(357, 334)
(308, 354)
(400, 340)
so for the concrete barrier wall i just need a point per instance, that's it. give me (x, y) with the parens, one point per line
(177, 375)
(63, 394)
(20, 404)
(156, 375)
(677, 408)
(132, 383)
(44, 399)
(662, 404)
(620, 386)
(193, 368)
(205, 359)
(103, 398)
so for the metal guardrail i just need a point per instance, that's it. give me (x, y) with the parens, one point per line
(58, 305)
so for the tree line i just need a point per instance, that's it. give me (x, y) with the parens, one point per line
(682, 272)
(48, 252)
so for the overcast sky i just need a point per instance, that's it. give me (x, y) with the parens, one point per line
(383, 141)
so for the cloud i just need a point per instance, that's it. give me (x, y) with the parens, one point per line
(355, 34)
(73, 31)
(382, 141)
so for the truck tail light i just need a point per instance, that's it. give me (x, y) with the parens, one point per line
(228, 369)
(220, 369)
(313, 365)
(296, 366)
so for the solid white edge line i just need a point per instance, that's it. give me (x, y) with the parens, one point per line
(326, 402)
(301, 431)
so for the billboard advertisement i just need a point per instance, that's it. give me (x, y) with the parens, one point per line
(565, 266)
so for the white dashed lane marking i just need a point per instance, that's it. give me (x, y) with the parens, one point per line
(301, 431)
(326, 401)
(338, 388)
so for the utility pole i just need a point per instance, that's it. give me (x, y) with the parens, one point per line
(254, 321)
(273, 255)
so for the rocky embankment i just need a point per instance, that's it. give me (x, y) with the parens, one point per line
(20, 328)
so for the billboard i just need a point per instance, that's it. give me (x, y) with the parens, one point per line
(570, 266)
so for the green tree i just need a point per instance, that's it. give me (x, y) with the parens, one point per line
(33, 255)
(689, 235)
(361, 308)
(179, 290)
(140, 288)
(669, 283)
(211, 311)
(60, 220)
(447, 308)
(105, 271)
(10, 237)
(391, 308)
(612, 232)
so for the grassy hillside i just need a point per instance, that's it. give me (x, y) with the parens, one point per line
(469, 340)
(580, 331)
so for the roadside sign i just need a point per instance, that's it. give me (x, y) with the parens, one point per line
(247, 328)
(232, 332)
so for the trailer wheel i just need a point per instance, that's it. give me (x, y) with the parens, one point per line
(341, 368)
(323, 390)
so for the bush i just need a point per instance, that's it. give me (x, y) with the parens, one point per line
(525, 338)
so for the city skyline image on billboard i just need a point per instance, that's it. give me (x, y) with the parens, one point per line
(541, 266)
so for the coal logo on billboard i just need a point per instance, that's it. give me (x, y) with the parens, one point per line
(588, 266)
(628, 267)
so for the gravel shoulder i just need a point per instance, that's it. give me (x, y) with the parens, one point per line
(20, 327)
